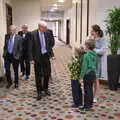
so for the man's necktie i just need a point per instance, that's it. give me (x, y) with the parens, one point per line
(10, 45)
(43, 46)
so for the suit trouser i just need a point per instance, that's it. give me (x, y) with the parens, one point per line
(88, 89)
(25, 65)
(42, 73)
(9, 59)
(51, 55)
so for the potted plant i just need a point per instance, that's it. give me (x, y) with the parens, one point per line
(113, 60)
(75, 70)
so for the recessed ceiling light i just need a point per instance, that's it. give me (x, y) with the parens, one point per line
(74, 1)
(55, 5)
(61, 1)
(52, 10)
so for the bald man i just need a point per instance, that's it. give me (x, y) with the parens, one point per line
(12, 54)
(42, 45)
(26, 53)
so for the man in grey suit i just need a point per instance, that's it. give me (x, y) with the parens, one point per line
(12, 54)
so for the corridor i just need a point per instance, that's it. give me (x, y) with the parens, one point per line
(21, 104)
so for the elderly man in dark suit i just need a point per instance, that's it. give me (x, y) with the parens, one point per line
(51, 53)
(26, 53)
(42, 45)
(12, 54)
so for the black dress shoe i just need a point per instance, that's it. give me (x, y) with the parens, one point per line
(16, 86)
(86, 108)
(47, 93)
(39, 97)
(9, 85)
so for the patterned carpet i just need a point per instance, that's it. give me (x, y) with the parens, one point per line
(21, 104)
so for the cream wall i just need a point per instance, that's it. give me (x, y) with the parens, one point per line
(67, 15)
(52, 15)
(2, 31)
(97, 15)
(101, 7)
(26, 12)
(3, 25)
(70, 14)
(54, 26)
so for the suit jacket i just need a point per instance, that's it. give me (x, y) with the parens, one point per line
(53, 41)
(17, 50)
(27, 44)
(52, 36)
(36, 46)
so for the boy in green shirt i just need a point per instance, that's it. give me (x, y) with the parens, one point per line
(88, 73)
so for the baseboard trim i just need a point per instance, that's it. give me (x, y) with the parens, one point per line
(1, 79)
(103, 82)
(62, 40)
(70, 46)
(65, 43)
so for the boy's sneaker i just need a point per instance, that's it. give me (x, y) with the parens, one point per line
(95, 100)
(26, 77)
(81, 106)
(76, 106)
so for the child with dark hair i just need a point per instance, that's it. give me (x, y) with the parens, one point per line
(88, 73)
(75, 69)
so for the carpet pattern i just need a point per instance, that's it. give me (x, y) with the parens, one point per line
(21, 104)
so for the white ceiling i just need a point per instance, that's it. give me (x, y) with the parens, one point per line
(47, 5)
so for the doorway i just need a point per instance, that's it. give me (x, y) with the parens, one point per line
(59, 30)
(8, 16)
(68, 32)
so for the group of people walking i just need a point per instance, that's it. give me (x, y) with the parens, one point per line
(26, 47)
(36, 47)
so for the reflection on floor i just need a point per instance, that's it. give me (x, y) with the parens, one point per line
(21, 104)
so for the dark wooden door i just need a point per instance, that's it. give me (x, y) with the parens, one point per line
(59, 30)
(68, 32)
(8, 16)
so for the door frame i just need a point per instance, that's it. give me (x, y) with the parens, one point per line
(68, 31)
(9, 16)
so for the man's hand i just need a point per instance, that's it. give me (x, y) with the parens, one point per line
(53, 58)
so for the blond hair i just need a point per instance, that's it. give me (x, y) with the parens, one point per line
(79, 51)
(90, 44)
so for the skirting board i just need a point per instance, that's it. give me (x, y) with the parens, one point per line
(103, 82)
(65, 43)
(1, 79)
